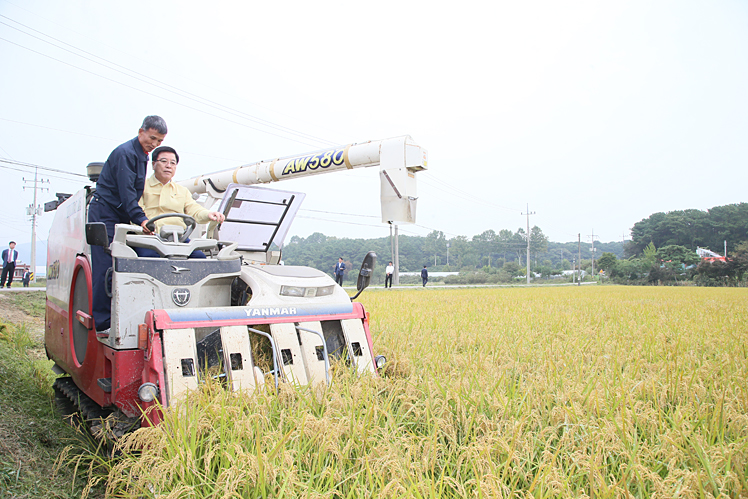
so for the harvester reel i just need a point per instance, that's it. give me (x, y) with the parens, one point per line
(188, 220)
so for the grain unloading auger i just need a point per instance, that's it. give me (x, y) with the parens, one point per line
(176, 321)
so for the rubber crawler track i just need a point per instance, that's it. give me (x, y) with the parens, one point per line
(78, 408)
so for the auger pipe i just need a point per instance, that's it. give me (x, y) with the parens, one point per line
(399, 158)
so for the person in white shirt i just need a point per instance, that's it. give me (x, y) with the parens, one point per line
(388, 271)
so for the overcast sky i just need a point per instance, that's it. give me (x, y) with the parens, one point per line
(595, 114)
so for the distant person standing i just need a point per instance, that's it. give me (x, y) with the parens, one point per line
(339, 270)
(9, 263)
(388, 274)
(26, 278)
(424, 275)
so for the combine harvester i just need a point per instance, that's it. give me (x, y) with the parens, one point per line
(176, 321)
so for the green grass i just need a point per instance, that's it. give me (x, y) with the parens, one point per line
(31, 302)
(32, 434)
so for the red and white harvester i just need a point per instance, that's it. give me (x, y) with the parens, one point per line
(176, 321)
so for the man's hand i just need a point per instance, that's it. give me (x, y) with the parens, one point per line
(146, 231)
(218, 217)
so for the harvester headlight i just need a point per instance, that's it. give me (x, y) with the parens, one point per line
(380, 361)
(148, 392)
(303, 292)
(292, 291)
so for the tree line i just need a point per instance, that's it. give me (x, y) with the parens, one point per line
(501, 255)
(663, 247)
(691, 229)
(662, 250)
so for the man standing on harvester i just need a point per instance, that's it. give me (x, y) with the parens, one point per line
(118, 191)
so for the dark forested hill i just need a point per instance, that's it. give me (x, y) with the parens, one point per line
(692, 228)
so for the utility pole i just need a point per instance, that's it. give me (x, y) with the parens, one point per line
(573, 264)
(528, 241)
(579, 257)
(392, 247)
(396, 274)
(592, 236)
(447, 254)
(573, 269)
(34, 210)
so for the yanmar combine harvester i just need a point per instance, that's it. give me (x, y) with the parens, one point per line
(177, 320)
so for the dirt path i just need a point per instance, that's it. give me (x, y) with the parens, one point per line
(9, 313)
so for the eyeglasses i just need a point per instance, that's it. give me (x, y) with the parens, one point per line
(167, 162)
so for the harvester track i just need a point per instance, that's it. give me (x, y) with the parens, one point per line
(79, 409)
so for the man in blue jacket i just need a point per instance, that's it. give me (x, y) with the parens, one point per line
(9, 263)
(339, 271)
(118, 191)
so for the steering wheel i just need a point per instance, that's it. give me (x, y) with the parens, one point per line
(188, 220)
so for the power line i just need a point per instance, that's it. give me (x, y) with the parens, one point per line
(155, 95)
(338, 213)
(147, 62)
(109, 139)
(467, 195)
(6, 152)
(369, 216)
(510, 245)
(340, 221)
(461, 194)
(163, 85)
(51, 176)
(349, 223)
(436, 230)
(13, 226)
(30, 165)
(56, 129)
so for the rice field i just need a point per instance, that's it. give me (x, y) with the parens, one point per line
(531, 392)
